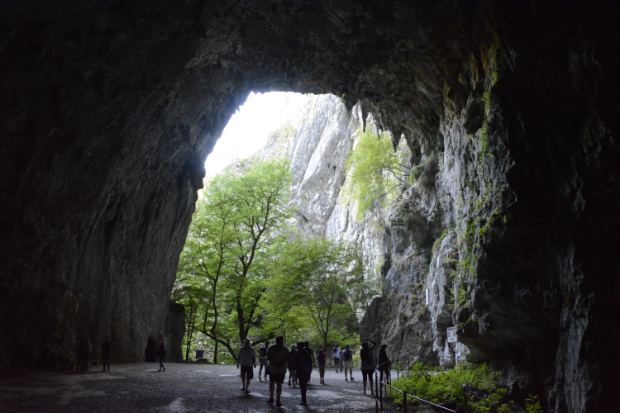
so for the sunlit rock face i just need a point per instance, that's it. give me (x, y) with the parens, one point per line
(109, 109)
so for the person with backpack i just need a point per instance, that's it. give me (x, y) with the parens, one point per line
(367, 363)
(336, 356)
(313, 359)
(161, 353)
(303, 364)
(383, 365)
(347, 362)
(320, 357)
(247, 360)
(262, 358)
(292, 370)
(106, 349)
(277, 357)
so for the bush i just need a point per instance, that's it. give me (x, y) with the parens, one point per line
(425, 172)
(472, 386)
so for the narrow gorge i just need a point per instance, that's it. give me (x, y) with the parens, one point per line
(508, 109)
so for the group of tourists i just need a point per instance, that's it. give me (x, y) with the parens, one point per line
(275, 360)
(83, 355)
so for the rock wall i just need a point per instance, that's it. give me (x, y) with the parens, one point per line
(108, 110)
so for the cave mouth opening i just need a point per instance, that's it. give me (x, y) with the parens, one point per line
(249, 127)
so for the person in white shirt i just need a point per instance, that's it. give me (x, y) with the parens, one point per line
(336, 352)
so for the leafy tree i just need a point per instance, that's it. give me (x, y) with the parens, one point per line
(228, 253)
(312, 284)
(374, 170)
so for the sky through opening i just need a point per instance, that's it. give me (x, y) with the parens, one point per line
(249, 127)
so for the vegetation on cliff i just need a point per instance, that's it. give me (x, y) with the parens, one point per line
(374, 170)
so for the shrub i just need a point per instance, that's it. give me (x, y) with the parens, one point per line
(472, 386)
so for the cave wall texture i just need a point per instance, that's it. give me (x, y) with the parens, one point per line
(108, 110)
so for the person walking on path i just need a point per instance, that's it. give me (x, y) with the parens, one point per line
(336, 355)
(347, 362)
(83, 356)
(383, 364)
(313, 359)
(292, 370)
(303, 364)
(262, 358)
(321, 359)
(277, 357)
(367, 363)
(89, 348)
(161, 353)
(246, 358)
(106, 349)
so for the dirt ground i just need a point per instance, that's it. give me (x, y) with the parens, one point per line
(181, 388)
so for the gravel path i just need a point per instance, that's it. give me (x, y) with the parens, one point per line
(182, 388)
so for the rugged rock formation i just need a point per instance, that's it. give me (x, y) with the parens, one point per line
(108, 110)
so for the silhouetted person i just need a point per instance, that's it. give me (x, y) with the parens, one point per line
(347, 362)
(313, 359)
(161, 354)
(277, 356)
(320, 356)
(292, 369)
(303, 363)
(262, 358)
(106, 349)
(246, 358)
(384, 363)
(367, 363)
(83, 356)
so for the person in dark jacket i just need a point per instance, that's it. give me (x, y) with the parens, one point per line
(367, 363)
(106, 349)
(161, 353)
(303, 364)
(384, 363)
(320, 357)
(83, 356)
(292, 369)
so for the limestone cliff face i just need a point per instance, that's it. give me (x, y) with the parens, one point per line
(318, 142)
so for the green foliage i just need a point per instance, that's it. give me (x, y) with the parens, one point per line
(452, 385)
(439, 240)
(374, 171)
(425, 172)
(312, 289)
(230, 248)
(532, 405)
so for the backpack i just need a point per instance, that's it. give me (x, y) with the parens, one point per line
(262, 351)
(305, 361)
(279, 356)
(335, 350)
(346, 355)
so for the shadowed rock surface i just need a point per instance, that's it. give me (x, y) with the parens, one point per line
(108, 110)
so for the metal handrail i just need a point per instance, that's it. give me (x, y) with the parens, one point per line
(379, 397)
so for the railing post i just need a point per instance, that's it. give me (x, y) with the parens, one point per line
(381, 396)
(405, 401)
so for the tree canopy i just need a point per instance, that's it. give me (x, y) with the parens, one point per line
(244, 273)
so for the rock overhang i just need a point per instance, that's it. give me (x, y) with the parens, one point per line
(111, 108)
